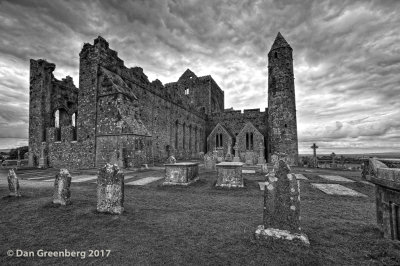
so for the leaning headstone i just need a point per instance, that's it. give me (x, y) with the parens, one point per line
(171, 160)
(110, 189)
(62, 192)
(281, 219)
(13, 183)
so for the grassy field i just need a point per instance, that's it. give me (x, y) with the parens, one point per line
(196, 225)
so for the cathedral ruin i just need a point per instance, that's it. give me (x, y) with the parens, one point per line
(117, 115)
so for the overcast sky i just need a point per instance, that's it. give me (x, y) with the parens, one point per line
(346, 57)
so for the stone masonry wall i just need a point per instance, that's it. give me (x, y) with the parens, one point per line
(234, 121)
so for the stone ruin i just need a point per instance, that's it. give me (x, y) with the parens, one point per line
(110, 190)
(62, 192)
(281, 216)
(13, 183)
(385, 175)
(134, 121)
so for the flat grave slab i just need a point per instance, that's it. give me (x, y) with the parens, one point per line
(300, 177)
(144, 181)
(336, 189)
(248, 171)
(336, 178)
(35, 178)
(80, 179)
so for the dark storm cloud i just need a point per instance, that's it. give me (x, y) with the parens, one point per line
(346, 55)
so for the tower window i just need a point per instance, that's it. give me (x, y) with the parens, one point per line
(187, 91)
(285, 125)
(276, 54)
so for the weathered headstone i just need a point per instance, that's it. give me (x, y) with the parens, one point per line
(110, 189)
(201, 155)
(13, 183)
(209, 161)
(171, 160)
(281, 219)
(249, 156)
(228, 156)
(43, 157)
(62, 192)
(261, 158)
(236, 158)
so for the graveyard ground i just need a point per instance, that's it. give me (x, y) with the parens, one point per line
(195, 225)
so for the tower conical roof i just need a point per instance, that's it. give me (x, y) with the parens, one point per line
(280, 42)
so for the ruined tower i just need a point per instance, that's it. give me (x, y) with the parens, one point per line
(281, 101)
(39, 106)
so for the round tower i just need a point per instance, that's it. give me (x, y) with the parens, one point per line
(282, 125)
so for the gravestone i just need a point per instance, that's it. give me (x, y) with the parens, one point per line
(281, 217)
(110, 189)
(43, 157)
(229, 174)
(209, 161)
(228, 156)
(171, 160)
(314, 162)
(13, 183)
(249, 156)
(236, 158)
(62, 192)
(201, 155)
(261, 158)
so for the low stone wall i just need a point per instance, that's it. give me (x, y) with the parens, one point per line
(387, 184)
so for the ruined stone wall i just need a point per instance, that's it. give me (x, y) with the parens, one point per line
(234, 121)
(152, 110)
(47, 95)
(227, 140)
(281, 101)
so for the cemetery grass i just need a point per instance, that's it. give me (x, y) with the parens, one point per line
(195, 225)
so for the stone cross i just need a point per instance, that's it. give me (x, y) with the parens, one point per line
(314, 147)
(229, 148)
(236, 148)
(333, 155)
(13, 183)
(110, 189)
(281, 217)
(62, 192)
